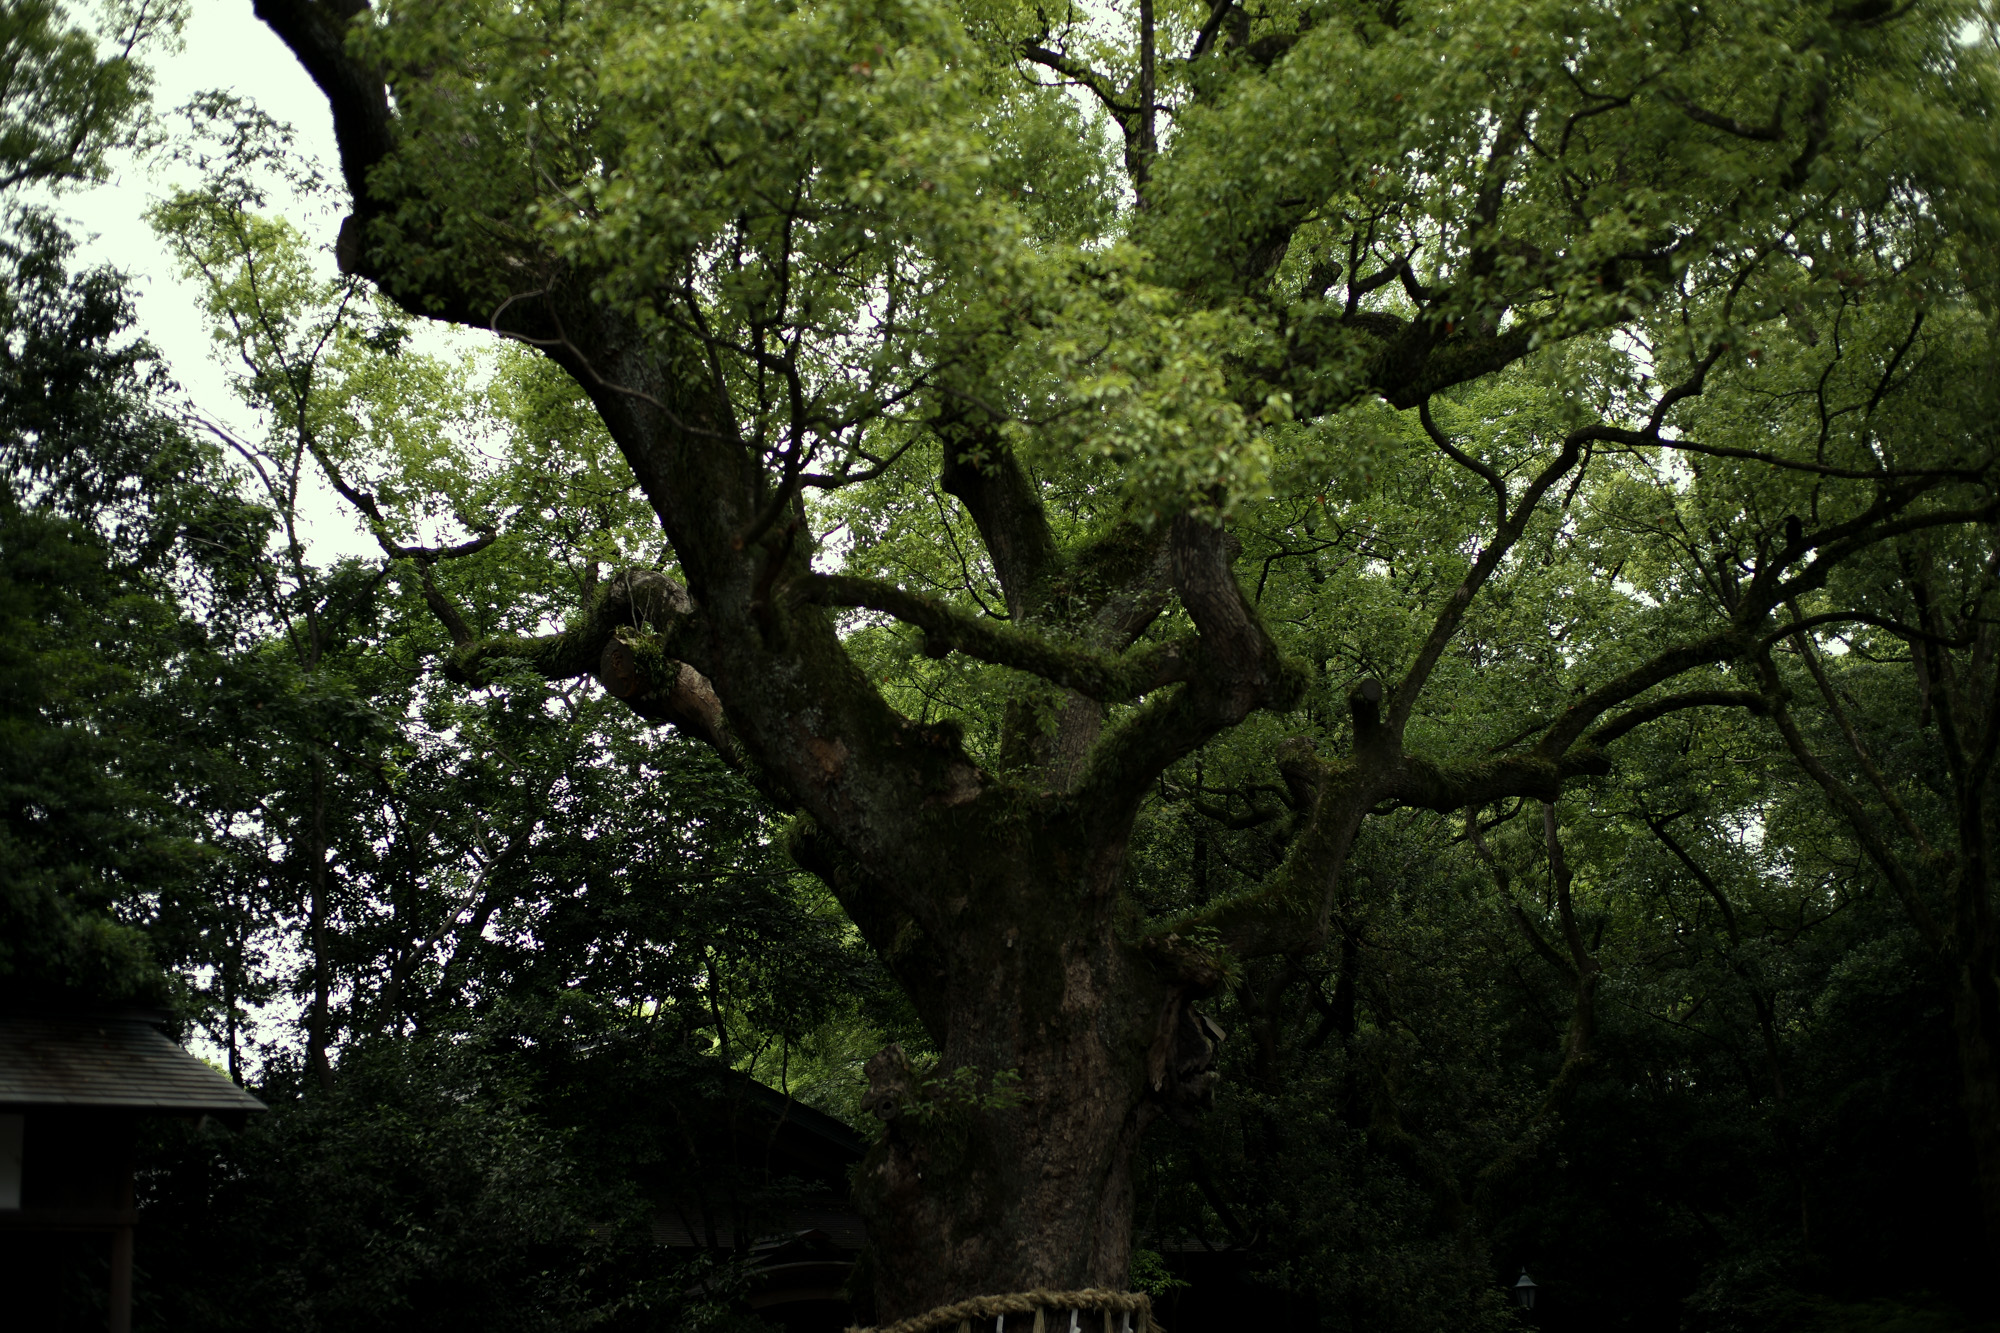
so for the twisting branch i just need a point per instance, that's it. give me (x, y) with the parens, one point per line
(1465, 460)
(1874, 844)
(1506, 533)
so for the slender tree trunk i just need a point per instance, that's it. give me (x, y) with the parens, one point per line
(1782, 1121)
(1975, 1020)
(320, 1021)
(231, 967)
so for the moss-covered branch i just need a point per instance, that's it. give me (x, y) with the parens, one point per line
(636, 599)
(1288, 913)
(1106, 677)
(632, 638)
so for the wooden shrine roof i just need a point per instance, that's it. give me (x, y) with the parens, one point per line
(110, 1062)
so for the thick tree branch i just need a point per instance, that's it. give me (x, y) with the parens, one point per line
(1835, 545)
(1424, 785)
(985, 477)
(1235, 669)
(1663, 667)
(1908, 633)
(1653, 709)
(317, 32)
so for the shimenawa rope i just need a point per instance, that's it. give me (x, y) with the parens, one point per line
(961, 1315)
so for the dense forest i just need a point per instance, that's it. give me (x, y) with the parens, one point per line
(1319, 651)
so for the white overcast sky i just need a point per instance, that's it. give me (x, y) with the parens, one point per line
(226, 48)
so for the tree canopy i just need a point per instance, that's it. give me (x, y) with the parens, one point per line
(1450, 541)
(1584, 329)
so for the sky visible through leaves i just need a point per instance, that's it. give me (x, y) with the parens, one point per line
(225, 48)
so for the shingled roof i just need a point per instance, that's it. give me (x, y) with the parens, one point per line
(115, 1062)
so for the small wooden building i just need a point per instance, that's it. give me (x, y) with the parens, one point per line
(73, 1088)
(767, 1182)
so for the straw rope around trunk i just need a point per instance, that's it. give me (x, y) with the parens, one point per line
(969, 1316)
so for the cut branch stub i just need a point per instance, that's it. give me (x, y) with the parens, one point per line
(661, 689)
(1364, 701)
(641, 597)
(619, 670)
(1304, 774)
(891, 1083)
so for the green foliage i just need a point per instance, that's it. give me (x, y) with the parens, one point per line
(116, 529)
(76, 845)
(63, 105)
(424, 1194)
(1151, 1275)
(1654, 1042)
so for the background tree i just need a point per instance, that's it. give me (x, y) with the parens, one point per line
(115, 531)
(1892, 716)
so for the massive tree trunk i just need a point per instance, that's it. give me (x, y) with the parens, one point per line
(981, 1185)
(1007, 1167)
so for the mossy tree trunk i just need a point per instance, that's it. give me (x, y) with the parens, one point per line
(995, 1185)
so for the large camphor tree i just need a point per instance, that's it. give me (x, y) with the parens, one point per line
(1306, 411)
